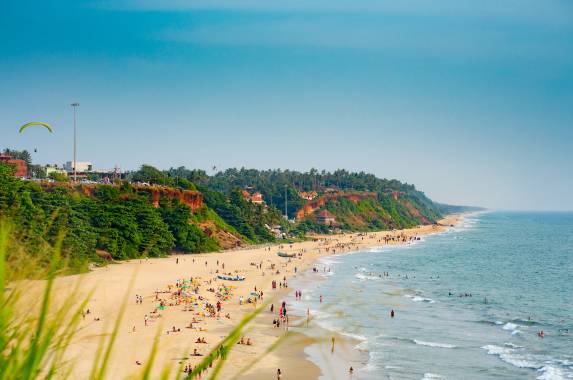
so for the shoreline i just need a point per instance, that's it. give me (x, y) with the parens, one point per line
(335, 365)
(135, 337)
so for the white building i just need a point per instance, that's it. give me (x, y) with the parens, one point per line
(54, 169)
(80, 166)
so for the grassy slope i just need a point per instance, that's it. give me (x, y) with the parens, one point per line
(381, 214)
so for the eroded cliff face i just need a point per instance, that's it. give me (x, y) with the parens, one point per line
(226, 239)
(191, 198)
(414, 211)
(311, 206)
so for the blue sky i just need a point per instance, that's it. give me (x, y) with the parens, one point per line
(470, 101)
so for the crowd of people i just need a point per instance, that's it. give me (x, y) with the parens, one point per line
(189, 294)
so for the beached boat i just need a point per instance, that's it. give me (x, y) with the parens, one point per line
(284, 254)
(230, 278)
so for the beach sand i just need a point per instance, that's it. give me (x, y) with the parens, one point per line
(111, 285)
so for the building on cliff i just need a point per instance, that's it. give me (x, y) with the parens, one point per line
(80, 166)
(21, 168)
(256, 198)
(326, 218)
(308, 195)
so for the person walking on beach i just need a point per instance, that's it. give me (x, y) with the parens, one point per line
(279, 374)
(392, 313)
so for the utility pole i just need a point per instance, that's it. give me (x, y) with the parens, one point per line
(75, 106)
(286, 203)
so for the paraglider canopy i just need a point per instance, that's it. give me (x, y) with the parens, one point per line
(39, 123)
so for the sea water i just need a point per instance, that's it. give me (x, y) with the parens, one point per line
(469, 303)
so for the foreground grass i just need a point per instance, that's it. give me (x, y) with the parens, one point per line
(34, 342)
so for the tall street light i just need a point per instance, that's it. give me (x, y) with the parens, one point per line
(75, 106)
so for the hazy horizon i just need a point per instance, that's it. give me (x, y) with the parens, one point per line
(471, 103)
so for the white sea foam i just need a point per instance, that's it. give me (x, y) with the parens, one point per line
(321, 314)
(510, 326)
(359, 337)
(432, 376)
(326, 321)
(365, 277)
(511, 356)
(551, 373)
(328, 261)
(433, 344)
(512, 345)
(514, 355)
(419, 299)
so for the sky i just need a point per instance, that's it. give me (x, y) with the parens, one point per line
(471, 101)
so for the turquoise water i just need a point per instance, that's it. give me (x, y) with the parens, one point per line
(518, 268)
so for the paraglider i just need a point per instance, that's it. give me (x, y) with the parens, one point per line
(39, 123)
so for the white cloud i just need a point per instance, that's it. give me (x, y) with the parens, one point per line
(404, 37)
(549, 11)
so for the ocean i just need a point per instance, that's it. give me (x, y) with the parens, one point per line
(469, 303)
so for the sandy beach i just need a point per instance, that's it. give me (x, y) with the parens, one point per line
(179, 313)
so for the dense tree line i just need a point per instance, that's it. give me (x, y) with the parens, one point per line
(123, 222)
(112, 219)
(221, 193)
(276, 185)
(249, 219)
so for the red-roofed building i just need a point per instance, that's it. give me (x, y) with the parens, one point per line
(20, 165)
(308, 195)
(246, 194)
(326, 218)
(256, 198)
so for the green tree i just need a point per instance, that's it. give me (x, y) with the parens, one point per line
(58, 177)
(188, 237)
(150, 174)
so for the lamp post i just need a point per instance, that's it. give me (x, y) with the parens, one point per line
(75, 106)
(286, 202)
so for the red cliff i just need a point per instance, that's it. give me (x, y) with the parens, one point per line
(191, 198)
(312, 206)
